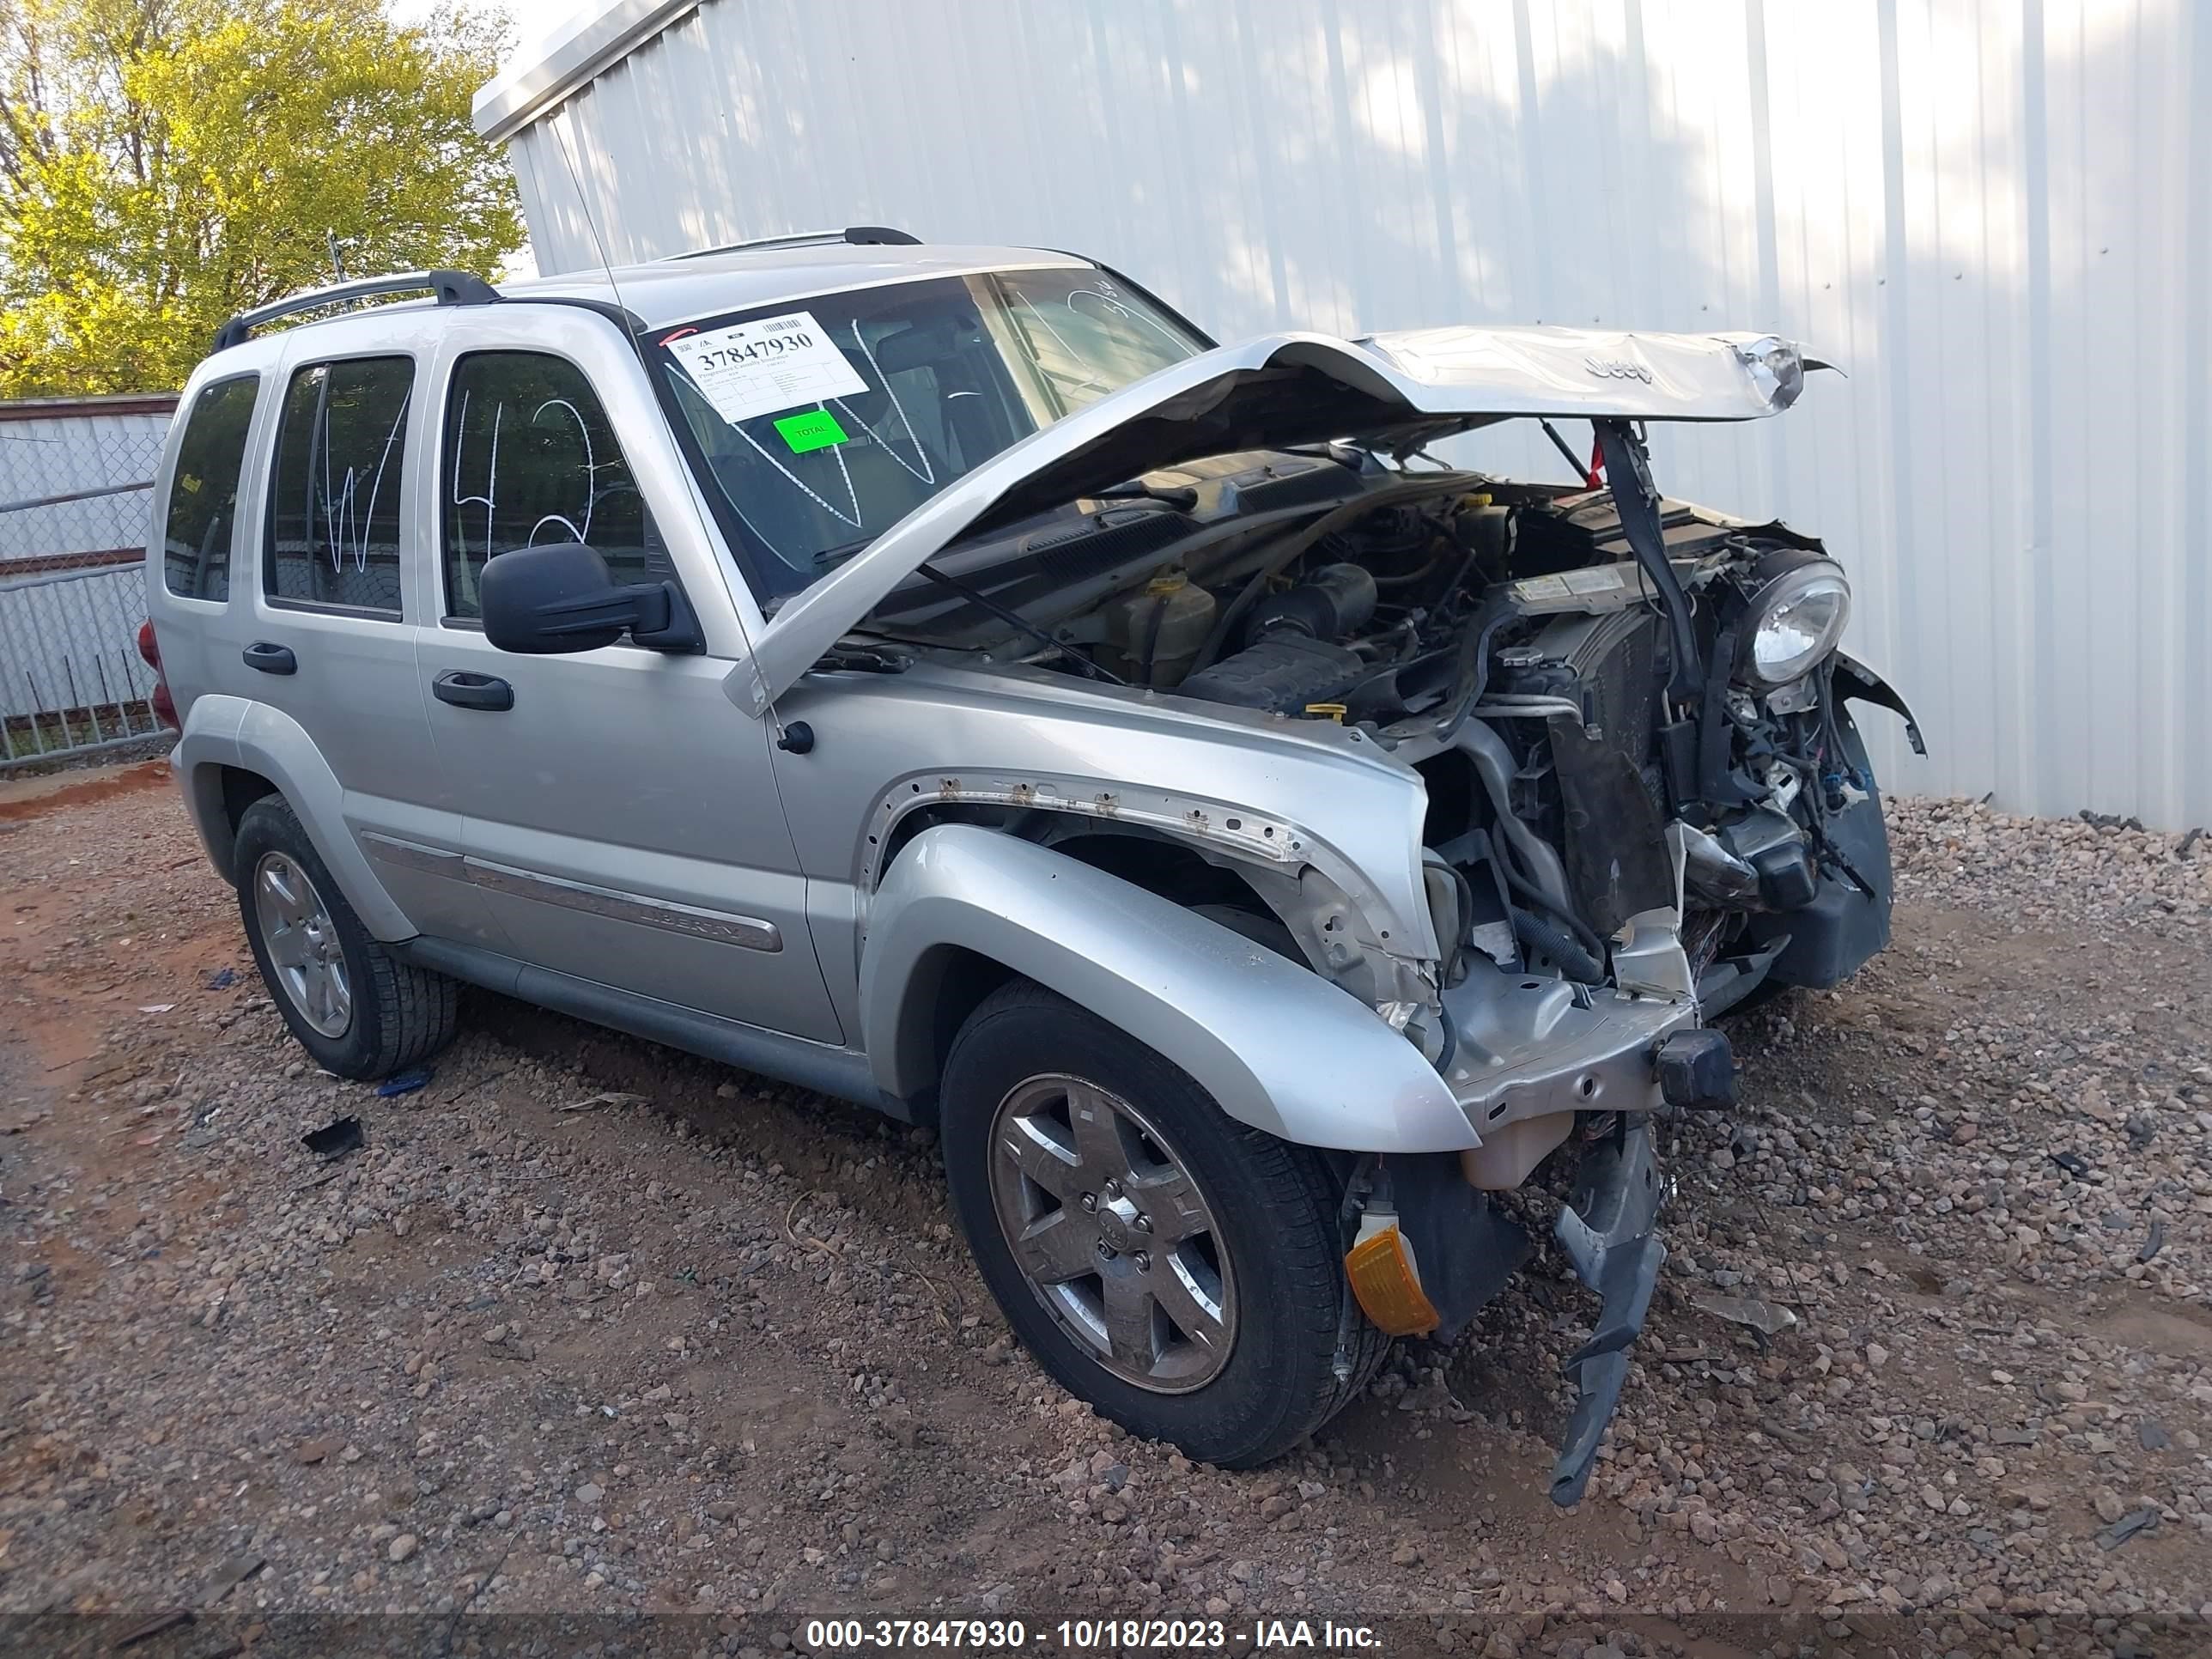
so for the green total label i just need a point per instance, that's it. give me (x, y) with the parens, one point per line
(818, 428)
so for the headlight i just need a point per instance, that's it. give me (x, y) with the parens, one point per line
(1796, 618)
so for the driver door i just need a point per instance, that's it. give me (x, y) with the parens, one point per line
(619, 816)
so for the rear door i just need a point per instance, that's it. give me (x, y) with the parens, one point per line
(324, 632)
(621, 822)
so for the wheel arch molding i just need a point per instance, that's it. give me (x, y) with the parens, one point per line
(1274, 1044)
(234, 732)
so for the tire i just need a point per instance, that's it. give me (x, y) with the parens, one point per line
(394, 1014)
(1029, 1068)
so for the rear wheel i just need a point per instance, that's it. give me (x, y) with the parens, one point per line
(1180, 1270)
(359, 1010)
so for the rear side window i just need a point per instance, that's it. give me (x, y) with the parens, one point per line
(334, 492)
(530, 460)
(203, 490)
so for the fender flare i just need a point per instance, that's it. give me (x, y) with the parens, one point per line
(1855, 680)
(1276, 1046)
(224, 730)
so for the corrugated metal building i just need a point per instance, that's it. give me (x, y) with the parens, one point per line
(76, 478)
(1997, 218)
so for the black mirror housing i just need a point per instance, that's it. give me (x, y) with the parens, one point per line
(542, 601)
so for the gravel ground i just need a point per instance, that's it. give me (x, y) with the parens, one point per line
(590, 1326)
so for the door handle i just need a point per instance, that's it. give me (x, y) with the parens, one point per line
(270, 657)
(466, 691)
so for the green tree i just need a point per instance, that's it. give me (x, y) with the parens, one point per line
(165, 164)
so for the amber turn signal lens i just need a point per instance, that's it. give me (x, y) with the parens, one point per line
(1381, 1269)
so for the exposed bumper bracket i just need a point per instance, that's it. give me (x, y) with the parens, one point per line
(1530, 1048)
(1608, 1231)
(1697, 1070)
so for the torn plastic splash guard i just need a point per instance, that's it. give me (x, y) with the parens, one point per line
(1608, 1229)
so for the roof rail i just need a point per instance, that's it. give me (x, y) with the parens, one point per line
(857, 235)
(452, 288)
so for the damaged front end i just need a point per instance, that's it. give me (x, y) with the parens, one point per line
(1643, 798)
(1432, 1245)
(1652, 804)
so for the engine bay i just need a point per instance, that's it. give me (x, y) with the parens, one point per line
(1594, 747)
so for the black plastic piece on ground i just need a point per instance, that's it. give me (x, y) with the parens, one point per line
(334, 1141)
(1606, 1232)
(1599, 1366)
(1697, 1070)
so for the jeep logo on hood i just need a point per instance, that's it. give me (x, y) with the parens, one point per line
(1617, 368)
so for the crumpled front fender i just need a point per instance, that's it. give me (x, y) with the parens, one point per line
(1277, 1046)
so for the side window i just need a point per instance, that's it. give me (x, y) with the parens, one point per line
(203, 491)
(529, 459)
(334, 492)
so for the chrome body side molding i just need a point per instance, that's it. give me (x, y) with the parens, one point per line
(721, 926)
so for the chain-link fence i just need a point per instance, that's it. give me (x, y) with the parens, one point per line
(75, 503)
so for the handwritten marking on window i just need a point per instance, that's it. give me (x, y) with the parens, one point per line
(347, 527)
(590, 480)
(488, 501)
(513, 463)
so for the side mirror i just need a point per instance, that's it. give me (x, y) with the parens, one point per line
(539, 601)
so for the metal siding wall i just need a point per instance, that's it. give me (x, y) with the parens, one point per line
(62, 452)
(1994, 216)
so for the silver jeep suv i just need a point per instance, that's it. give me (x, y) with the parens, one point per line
(943, 677)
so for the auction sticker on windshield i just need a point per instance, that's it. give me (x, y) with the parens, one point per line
(762, 368)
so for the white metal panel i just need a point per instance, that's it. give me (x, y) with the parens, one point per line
(68, 635)
(567, 55)
(1996, 217)
(70, 447)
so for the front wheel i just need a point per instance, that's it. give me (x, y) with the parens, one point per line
(1180, 1270)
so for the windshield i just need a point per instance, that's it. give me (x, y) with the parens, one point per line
(822, 423)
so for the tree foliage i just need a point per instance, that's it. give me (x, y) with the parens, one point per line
(165, 164)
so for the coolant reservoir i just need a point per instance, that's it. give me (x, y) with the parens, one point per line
(1152, 635)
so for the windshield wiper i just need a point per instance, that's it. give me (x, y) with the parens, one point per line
(1181, 497)
(843, 550)
(849, 658)
(1014, 619)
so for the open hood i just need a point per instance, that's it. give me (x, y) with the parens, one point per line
(1390, 391)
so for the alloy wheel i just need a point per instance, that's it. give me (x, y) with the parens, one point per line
(302, 944)
(1113, 1233)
